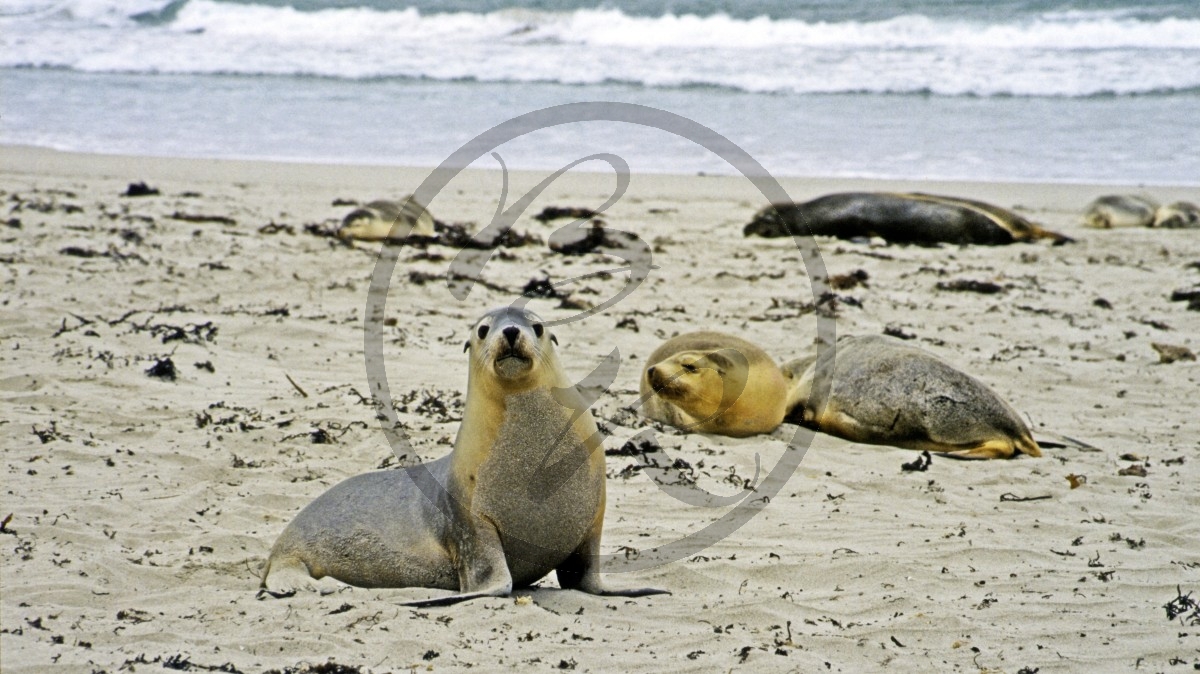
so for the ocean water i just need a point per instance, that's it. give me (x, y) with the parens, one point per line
(1102, 91)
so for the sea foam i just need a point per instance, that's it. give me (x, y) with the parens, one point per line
(1072, 54)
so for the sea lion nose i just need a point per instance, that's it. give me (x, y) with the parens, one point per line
(511, 333)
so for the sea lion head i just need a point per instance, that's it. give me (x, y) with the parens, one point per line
(383, 220)
(512, 346)
(702, 383)
(770, 222)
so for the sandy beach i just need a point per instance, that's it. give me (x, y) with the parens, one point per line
(142, 507)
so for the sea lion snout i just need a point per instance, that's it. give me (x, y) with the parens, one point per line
(511, 333)
(663, 381)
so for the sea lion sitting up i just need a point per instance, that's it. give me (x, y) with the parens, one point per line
(712, 382)
(521, 494)
(882, 391)
(923, 219)
(385, 220)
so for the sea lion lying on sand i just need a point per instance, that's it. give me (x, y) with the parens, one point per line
(712, 382)
(923, 219)
(385, 220)
(1177, 215)
(1128, 210)
(885, 392)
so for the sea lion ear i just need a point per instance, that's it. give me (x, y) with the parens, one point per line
(554, 339)
(466, 346)
(722, 362)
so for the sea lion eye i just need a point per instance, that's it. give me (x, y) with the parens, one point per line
(690, 367)
(483, 330)
(538, 330)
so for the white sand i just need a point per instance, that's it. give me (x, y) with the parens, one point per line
(140, 521)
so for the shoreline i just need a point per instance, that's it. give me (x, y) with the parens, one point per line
(143, 506)
(99, 163)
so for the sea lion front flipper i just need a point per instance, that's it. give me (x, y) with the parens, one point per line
(482, 566)
(580, 571)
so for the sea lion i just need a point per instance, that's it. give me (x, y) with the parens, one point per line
(712, 382)
(1116, 210)
(1177, 215)
(521, 494)
(385, 220)
(923, 219)
(885, 392)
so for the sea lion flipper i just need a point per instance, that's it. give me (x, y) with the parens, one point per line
(482, 566)
(991, 449)
(452, 599)
(639, 592)
(581, 570)
(286, 575)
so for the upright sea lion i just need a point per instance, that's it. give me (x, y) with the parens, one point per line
(712, 382)
(387, 220)
(1116, 210)
(1177, 215)
(924, 219)
(885, 392)
(520, 495)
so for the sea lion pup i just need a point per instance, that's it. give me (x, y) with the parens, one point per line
(712, 382)
(1178, 215)
(520, 495)
(886, 392)
(923, 219)
(1116, 210)
(385, 220)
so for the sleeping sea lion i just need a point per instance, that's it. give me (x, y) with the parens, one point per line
(886, 392)
(923, 219)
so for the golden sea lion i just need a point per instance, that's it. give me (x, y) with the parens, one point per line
(712, 382)
(385, 220)
(521, 494)
(924, 219)
(885, 392)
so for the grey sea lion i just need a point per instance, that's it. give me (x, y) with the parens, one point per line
(521, 494)
(1177, 215)
(1116, 210)
(886, 392)
(384, 220)
(910, 218)
(712, 382)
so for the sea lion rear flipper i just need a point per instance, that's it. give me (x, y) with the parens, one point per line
(992, 449)
(1060, 441)
(285, 575)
